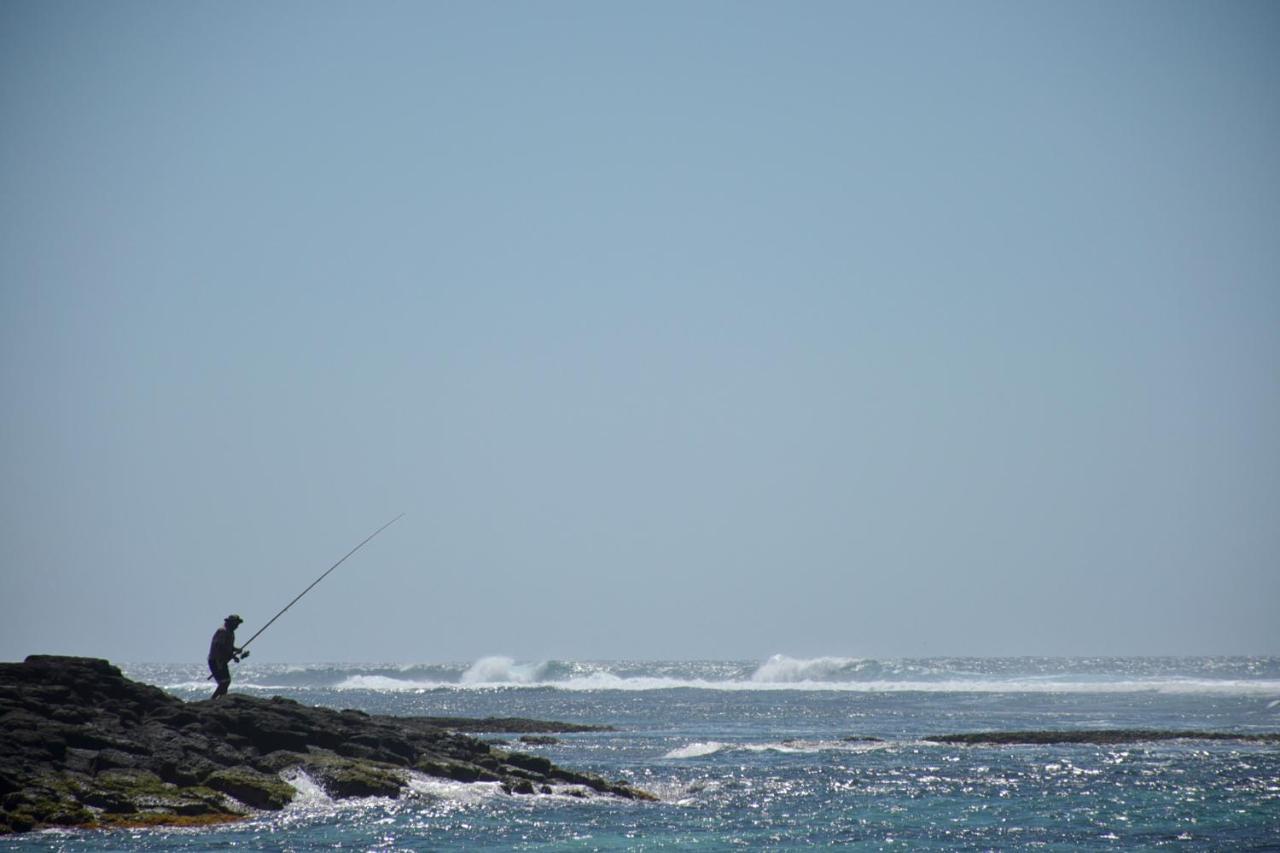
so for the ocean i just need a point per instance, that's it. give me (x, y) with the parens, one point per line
(791, 753)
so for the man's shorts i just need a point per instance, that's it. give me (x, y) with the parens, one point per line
(220, 672)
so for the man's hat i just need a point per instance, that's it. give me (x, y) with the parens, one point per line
(233, 618)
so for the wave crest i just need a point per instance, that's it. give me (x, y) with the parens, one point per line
(504, 670)
(1259, 677)
(699, 749)
(781, 669)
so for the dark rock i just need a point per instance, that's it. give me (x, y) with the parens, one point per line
(29, 735)
(343, 779)
(80, 760)
(1097, 737)
(539, 740)
(112, 759)
(141, 791)
(253, 788)
(458, 771)
(81, 745)
(71, 715)
(533, 763)
(111, 801)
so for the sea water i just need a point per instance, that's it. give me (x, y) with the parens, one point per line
(791, 753)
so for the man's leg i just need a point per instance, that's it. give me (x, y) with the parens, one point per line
(222, 675)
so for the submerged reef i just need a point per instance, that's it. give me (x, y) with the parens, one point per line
(82, 745)
(1097, 737)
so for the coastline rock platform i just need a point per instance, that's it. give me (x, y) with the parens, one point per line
(1096, 737)
(82, 745)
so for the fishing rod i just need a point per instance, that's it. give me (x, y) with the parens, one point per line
(322, 577)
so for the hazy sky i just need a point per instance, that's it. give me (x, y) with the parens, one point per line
(712, 329)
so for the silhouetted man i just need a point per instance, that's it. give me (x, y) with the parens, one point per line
(222, 651)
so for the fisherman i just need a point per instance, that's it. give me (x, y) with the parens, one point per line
(223, 650)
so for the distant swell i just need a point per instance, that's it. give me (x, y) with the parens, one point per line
(1251, 677)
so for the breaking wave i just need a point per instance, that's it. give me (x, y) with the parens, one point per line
(781, 669)
(1242, 676)
(701, 749)
(504, 670)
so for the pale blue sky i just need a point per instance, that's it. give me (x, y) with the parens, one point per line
(714, 329)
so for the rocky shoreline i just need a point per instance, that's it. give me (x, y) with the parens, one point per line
(82, 745)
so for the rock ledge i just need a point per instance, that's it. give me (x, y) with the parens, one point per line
(1097, 737)
(81, 745)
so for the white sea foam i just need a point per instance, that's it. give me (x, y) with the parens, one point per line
(476, 792)
(607, 681)
(698, 749)
(310, 795)
(780, 672)
(503, 670)
(781, 669)
(446, 789)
